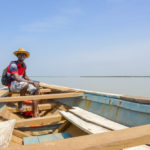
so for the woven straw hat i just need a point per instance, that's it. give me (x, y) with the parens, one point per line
(22, 51)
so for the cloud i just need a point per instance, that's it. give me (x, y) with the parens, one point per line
(46, 24)
(62, 20)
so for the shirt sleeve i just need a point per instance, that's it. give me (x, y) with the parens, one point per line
(13, 68)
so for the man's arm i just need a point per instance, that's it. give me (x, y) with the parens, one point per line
(36, 84)
(26, 77)
(17, 78)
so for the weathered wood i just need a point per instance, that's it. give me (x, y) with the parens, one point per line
(45, 91)
(16, 139)
(45, 138)
(20, 134)
(29, 108)
(41, 91)
(4, 93)
(62, 127)
(40, 97)
(59, 88)
(87, 127)
(113, 140)
(99, 120)
(40, 120)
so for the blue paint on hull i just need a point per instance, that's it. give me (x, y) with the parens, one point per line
(119, 110)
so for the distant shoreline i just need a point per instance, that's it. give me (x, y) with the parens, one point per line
(115, 76)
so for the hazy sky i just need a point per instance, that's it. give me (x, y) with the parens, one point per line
(77, 37)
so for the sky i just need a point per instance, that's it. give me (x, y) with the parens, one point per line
(77, 37)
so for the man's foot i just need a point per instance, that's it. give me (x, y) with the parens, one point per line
(20, 107)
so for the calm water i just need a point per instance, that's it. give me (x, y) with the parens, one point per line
(135, 86)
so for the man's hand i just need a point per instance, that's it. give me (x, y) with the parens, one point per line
(30, 82)
(36, 84)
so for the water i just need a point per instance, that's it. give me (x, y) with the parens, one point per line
(134, 86)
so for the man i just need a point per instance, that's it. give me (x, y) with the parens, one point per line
(20, 82)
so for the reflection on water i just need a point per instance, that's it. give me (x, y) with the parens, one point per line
(135, 86)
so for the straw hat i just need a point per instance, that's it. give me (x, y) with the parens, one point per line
(22, 51)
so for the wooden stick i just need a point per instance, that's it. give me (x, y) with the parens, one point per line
(113, 140)
(4, 93)
(29, 108)
(16, 139)
(20, 134)
(39, 120)
(59, 88)
(45, 90)
(40, 97)
(62, 127)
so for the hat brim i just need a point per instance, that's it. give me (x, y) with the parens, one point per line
(26, 53)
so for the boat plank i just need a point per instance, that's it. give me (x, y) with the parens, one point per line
(40, 120)
(20, 134)
(93, 118)
(29, 108)
(41, 97)
(4, 93)
(62, 127)
(96, 119)
(120, 139)
(45, 90)
(59, 88)
(45, 138)
(88, 127)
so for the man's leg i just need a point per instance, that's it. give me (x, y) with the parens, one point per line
(35, 105)
(19, 87)
(34, 90)
(22, 93)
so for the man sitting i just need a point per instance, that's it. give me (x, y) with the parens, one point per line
(20, 82)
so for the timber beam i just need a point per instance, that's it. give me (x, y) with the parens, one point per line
(4, 93)
(39, 121)
(44, 91)
(41, 97)
(58, 88)
(113, 140)
(29, 108)
(20, 134)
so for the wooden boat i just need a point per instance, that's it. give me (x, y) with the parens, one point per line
(68, 116)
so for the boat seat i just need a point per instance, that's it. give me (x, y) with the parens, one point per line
(45, 138)
(13, 94)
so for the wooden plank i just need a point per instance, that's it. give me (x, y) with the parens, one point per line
(20, 134)
(96, 119)
(4, 93)
(41, 91)
(93, 118)
(59, 88)
(62, 127)
(45, 138)
(113, 140)
(29, 108)
(45, 91)
(41, 97)
(40, 120)
(16, 139)
(88, 127)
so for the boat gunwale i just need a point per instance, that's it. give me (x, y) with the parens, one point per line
(135, 99)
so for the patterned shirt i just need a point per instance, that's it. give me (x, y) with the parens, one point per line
(16, 67)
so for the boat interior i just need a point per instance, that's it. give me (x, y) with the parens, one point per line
(49, 126)
(56, 121)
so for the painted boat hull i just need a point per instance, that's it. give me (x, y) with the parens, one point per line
(127, 112)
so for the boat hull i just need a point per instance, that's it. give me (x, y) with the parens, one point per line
(128, 113)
